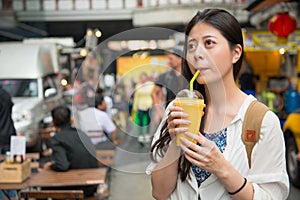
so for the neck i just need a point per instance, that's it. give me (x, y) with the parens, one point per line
(221, 93)
(60, 128)
(224, 99)
(177, 70)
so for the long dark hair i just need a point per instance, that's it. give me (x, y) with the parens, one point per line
(230, 28)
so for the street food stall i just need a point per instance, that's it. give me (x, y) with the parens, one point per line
(274, 55)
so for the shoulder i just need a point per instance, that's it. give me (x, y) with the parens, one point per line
(102, 116)
(271, 123)
(90, 111)
(162, 76)
(64, 132)
(244, 107)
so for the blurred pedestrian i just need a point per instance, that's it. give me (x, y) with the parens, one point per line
(98, 125)
(7, 127)
(142, 103)
(109, 82)
(85, 94)
(108, 101)
(167, 85)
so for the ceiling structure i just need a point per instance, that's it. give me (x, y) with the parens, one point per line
(17, 25)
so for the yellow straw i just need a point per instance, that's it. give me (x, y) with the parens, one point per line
(193, 79)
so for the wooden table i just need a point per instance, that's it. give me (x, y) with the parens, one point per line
(49, 178)
(13, 186)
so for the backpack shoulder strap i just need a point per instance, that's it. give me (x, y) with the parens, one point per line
(252, 125)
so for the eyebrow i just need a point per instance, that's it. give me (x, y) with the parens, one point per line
(205, 37)
(208, 36)
(192, 40)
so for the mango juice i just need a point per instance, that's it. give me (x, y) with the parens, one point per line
(194, 108)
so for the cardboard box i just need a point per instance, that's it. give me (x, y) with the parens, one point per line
(15, 173)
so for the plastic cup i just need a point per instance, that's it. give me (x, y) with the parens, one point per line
(192, 104)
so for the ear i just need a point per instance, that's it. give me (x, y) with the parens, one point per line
(236, 53)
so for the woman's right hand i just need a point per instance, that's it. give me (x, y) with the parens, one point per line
(177, 118)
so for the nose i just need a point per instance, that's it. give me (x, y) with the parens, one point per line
(200, 52)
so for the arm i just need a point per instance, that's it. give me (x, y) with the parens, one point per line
(157, 95)
(268, 172)
(110, 128)
(165, 174)
(135, 100)
(60, 160)
(114, 137)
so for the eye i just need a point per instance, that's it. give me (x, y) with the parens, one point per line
(209, 43)
(192, 46)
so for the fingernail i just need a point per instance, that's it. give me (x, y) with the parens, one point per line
(184, 115)
(189, 134)
(183, 129)
(186, 122)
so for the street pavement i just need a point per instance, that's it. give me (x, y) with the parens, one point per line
(127, 177)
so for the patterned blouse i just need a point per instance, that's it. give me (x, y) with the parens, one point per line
(220, 139)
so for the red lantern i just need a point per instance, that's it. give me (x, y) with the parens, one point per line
(282, 24)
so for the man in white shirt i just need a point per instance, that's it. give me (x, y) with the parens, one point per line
(107, 105)
(98, 126)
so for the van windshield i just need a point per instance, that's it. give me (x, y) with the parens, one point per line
(20, 87)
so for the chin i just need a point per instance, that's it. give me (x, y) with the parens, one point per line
(200, 80)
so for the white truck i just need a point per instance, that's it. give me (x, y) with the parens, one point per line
(30, 76)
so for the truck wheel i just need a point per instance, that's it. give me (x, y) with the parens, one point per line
(293, 164)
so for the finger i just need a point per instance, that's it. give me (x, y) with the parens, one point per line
(193, 148)
(191, 152)
(173, 123)
(195, 137)
(200, 162)
(175, 108)
(178, 114)
(205, 144)
(191, 158)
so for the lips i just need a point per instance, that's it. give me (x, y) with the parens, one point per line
(202, 69)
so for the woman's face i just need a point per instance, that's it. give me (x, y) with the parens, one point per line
(209, 52)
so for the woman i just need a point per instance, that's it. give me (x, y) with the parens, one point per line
(142, 103)
(217, 166)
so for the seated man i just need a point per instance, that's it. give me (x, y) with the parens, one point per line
(108, 102)
(98, 125)
(72, 149)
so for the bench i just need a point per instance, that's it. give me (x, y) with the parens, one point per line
(56, 194)
(34, 157)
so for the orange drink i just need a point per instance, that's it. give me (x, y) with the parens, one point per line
(194, 108)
